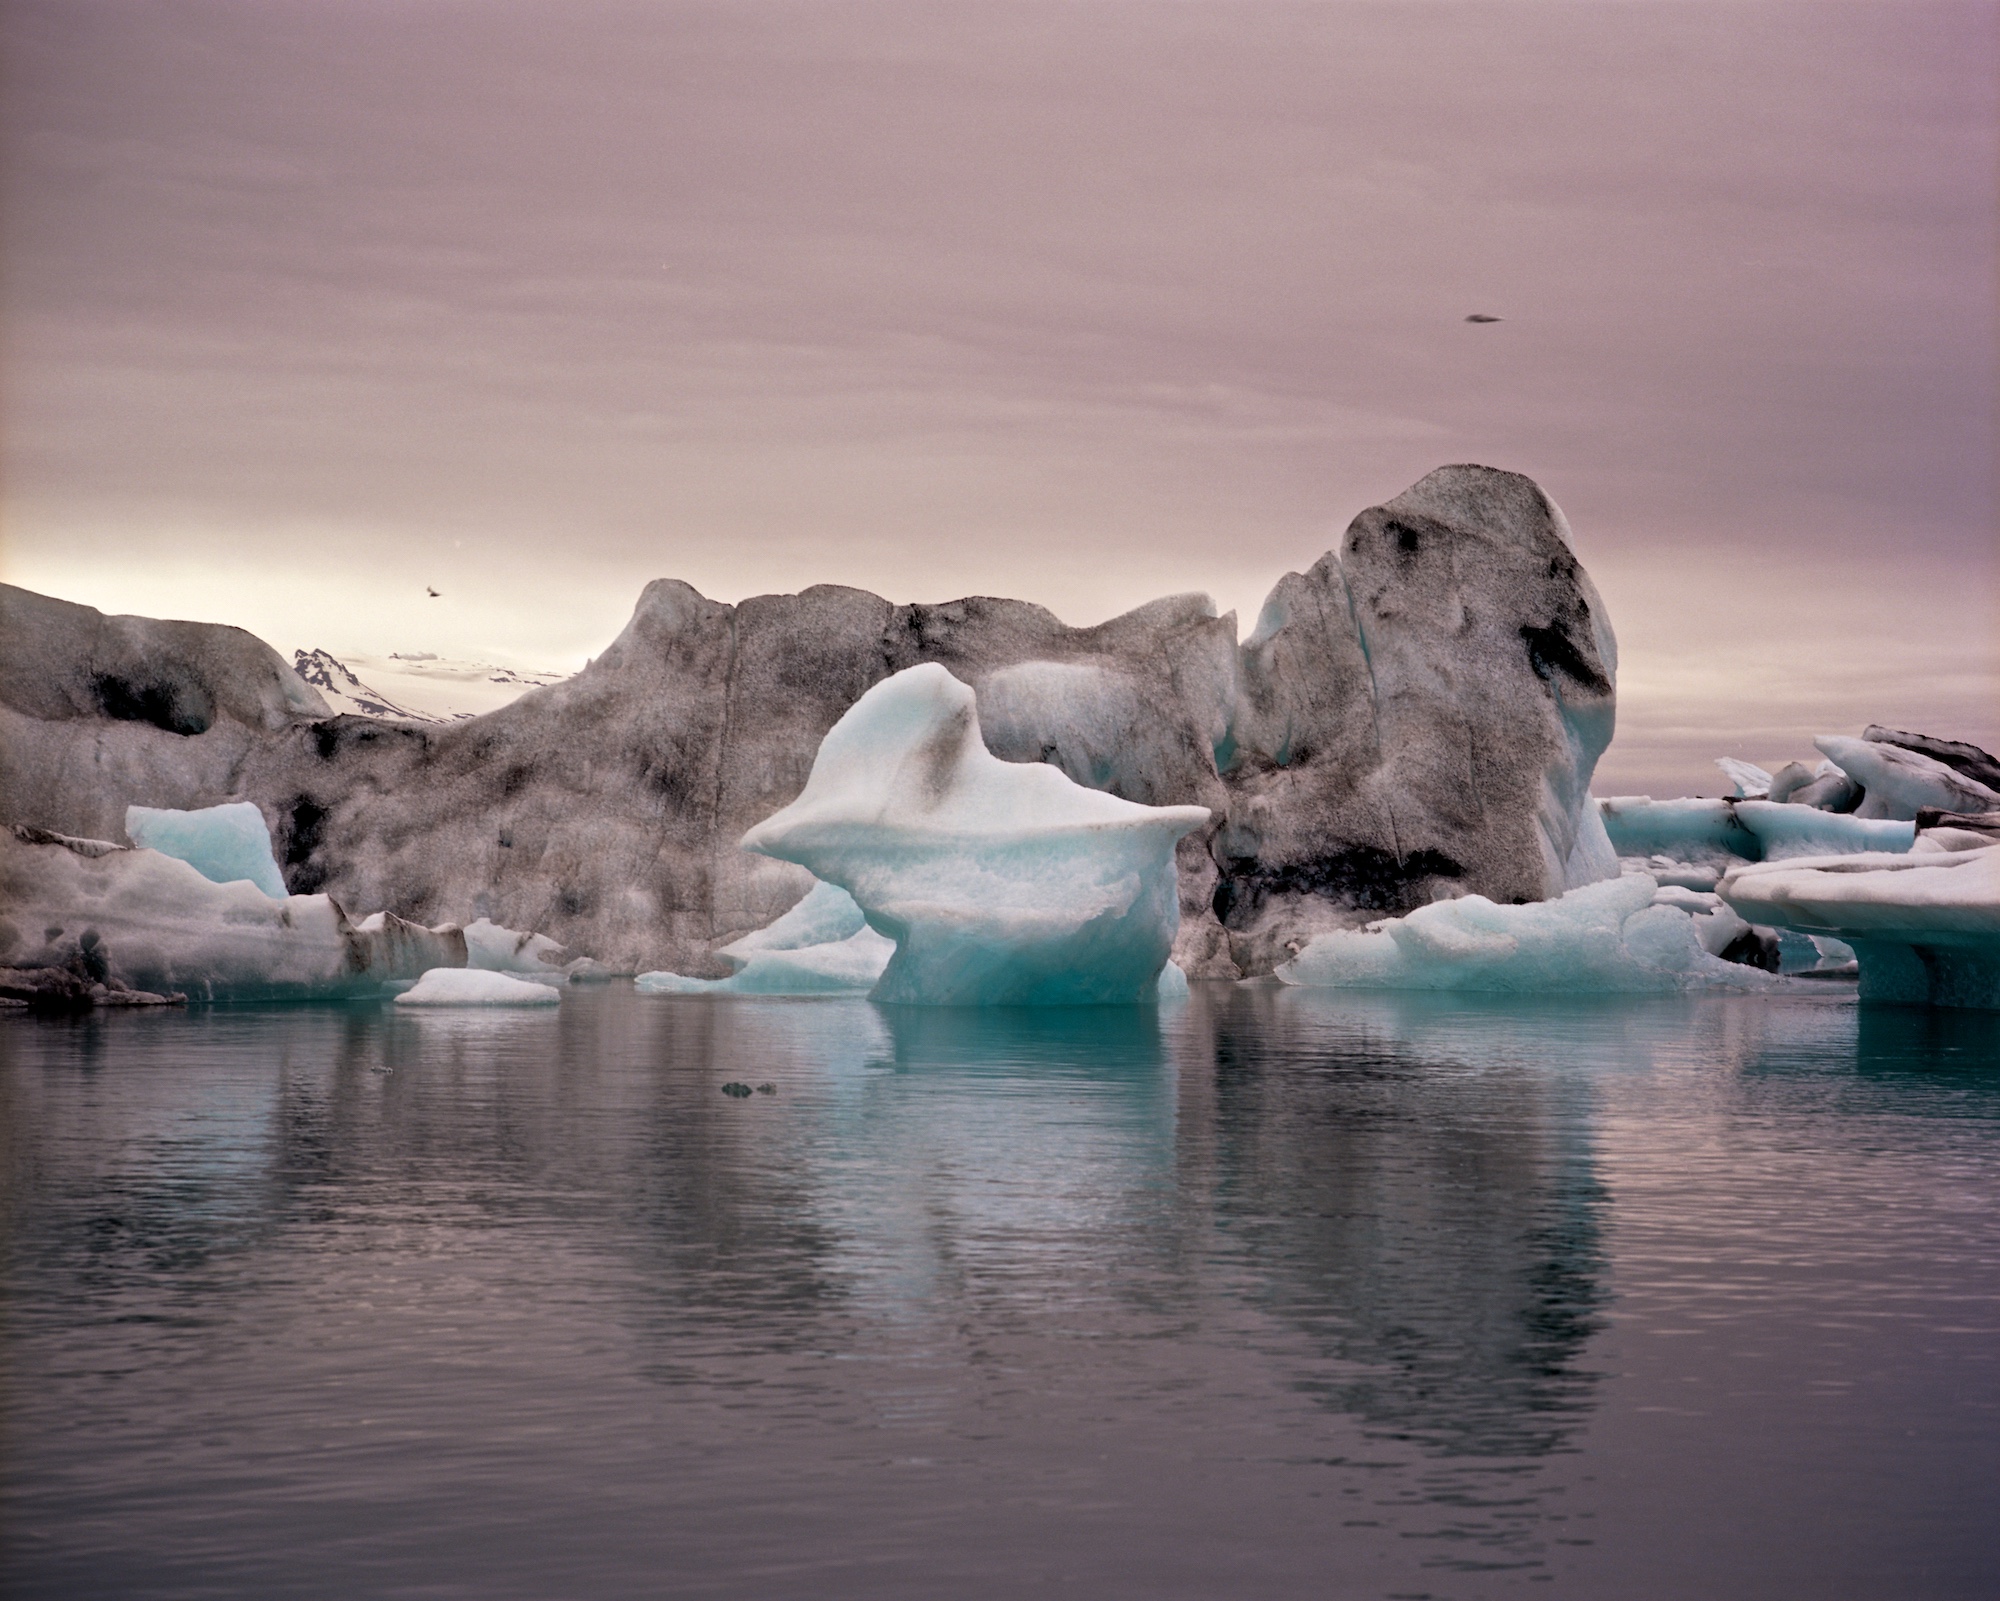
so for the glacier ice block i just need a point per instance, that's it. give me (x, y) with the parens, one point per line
(1001, 883)
(222, 843)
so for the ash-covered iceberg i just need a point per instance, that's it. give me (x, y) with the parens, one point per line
(1421, 714)
(1001, 883)
(150, 922)
(1925, 927)
(1620, 936)
(1417, 714)
(1899, 783)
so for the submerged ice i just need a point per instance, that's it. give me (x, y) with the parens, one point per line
(999, 882)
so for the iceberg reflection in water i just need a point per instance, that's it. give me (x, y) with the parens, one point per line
(1269, 1292)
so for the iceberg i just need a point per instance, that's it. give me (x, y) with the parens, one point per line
(470, 986)
(1606, 938)
(1925, 926)
(1418, 713)
(822, 946)
(1001, 883)
(1825, 787)
(1981, 766)
(150, 922)
(494, 949)
(1900, 783)
(225, 844)
(1718, 832)
(1748, 778)
(810, 951)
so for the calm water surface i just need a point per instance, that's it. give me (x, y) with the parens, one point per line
(1270, 1293)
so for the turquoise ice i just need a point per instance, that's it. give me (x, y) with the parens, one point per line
(222, 843)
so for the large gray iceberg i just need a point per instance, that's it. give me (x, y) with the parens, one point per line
(1420, 715)
(1416, 715)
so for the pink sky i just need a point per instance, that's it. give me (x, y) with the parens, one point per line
(310, 305)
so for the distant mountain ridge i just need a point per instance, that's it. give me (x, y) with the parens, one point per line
(421, 687)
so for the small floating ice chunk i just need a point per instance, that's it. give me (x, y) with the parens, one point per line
(1002, 883)
(849, 966)
(1603, 938)
(225, 844)
(822, 946)
(471, 986)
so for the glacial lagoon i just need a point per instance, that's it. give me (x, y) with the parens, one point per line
(1269, 1292)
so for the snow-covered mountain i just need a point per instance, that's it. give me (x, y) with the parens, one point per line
(414, 686)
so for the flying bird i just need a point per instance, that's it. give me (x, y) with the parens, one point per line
(431, 592)
(1480, 316)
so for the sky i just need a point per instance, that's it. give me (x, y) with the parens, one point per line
(308, 307)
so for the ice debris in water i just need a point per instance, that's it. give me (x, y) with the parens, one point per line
(1925, 927)
(224, 844)
(471, 986)
(1001, 883)
(1609, 937)
(822, 946)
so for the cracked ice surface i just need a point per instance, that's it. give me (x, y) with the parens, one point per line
(1001, 883)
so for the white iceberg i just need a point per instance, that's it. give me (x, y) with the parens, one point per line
(1900, 783)
(152, 922)
(1717, 833)
(225, 844)
(822, 946)
(810, 951)
(1925, 927)
(471, 986)
(1613, 937)
(1748, 778)
(1001, 883)
(536, 957)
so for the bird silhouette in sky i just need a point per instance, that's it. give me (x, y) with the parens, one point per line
(1480, 316)
(431, 592)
